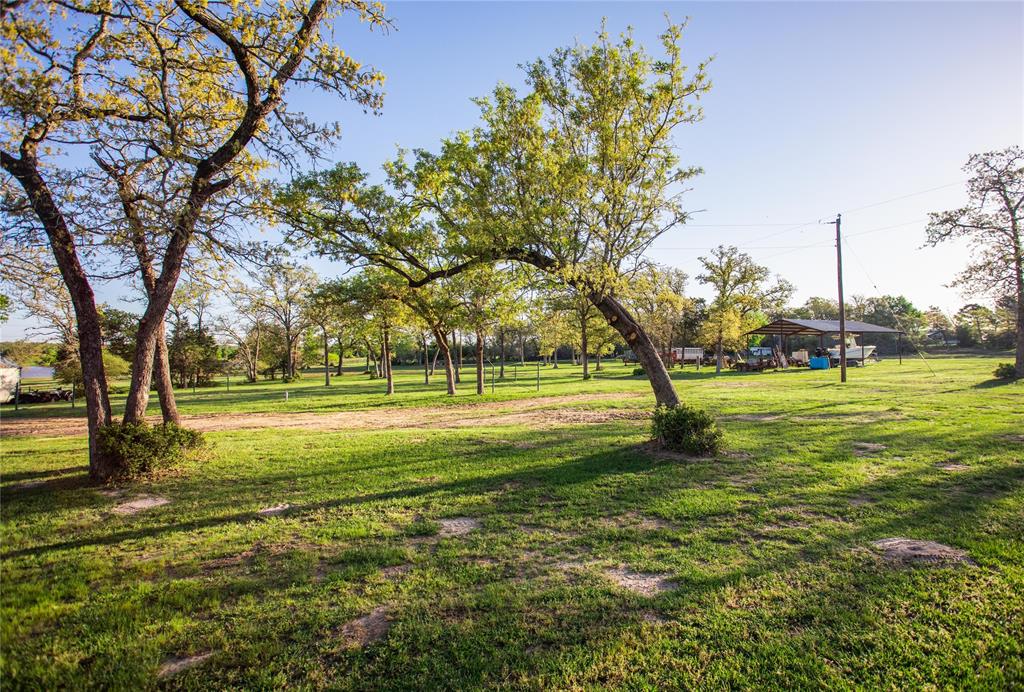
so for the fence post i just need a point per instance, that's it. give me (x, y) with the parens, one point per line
(74, 390)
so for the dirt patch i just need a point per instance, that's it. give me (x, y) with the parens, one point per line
(140, 504)
(274, 511)
(457, 526)
(954, 468)
(753, 417)
(367, 629)
(643, 583)
(866, 449)
(652, 617)
(175, 665)
(393, 572)
(113, 493)
(909, 551)
(861, 500)
(537, 412)
(634, 520)
(1011, 438)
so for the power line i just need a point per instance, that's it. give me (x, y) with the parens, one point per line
(878, 292)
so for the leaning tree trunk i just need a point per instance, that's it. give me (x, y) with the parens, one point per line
(479, 362)
(449, 369)
(386, 359)
(620, 319)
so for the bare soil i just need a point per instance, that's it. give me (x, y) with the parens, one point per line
(643, 583)
(457, 526)
(139, 504)
(908, 551)
(535, 412)
(367, 629)
(173, 666)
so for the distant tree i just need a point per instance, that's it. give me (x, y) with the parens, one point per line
(741, 289)
(68, 369)
(938, 323)
(282, 291)
(119, 328)
(992, 222)
(5, 307)
(657, 295)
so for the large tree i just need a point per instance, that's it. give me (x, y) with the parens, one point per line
(576, 178)
(283, 291)
(992, 223)
(171, 90)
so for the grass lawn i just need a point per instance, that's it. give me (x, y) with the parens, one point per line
(555, 551)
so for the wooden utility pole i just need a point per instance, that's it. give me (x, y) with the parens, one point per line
(842, 304)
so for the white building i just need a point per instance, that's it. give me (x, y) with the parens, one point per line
(10, 376)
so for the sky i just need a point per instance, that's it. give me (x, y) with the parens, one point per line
(868, 109)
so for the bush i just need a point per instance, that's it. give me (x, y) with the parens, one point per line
(1006, 371)
(687, 429)
(639, 371)
(140, 448)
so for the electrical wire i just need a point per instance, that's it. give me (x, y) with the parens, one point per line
(887, 304)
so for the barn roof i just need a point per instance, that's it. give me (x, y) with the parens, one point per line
(794, 327)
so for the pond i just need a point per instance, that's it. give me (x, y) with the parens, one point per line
(37, 372)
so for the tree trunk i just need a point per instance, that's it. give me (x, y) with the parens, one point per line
(433, 363)
(386, 358)
(719, 356)
(162, 379)
(341, 352)
(479, 362)
(1019, 268)
(554, 356)
(327, 358)
(522, 350)
(457, 344)
(620, 319)
(583, 350)
(501, 355)
(90, 338)
(449, 369)
(426, 360)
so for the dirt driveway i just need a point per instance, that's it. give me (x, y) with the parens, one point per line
(541, 412)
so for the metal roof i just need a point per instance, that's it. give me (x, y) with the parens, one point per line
(794, 327)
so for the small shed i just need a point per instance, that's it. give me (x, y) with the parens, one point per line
(10, 378)
(786, 327)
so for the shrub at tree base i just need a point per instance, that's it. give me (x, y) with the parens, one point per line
(687, 429)
(1006, 371)
(639, 371)
(140, 448)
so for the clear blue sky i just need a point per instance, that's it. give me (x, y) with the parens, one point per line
(816, 108)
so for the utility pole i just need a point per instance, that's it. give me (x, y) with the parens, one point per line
(842, 304)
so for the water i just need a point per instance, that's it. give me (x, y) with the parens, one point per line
(37, 371)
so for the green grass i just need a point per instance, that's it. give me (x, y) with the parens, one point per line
(767, 545)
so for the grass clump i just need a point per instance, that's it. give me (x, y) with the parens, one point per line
(639, 371)
(1005, 371)
(140, 448)
(687, 429)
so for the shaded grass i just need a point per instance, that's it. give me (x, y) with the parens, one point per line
(766, 546)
